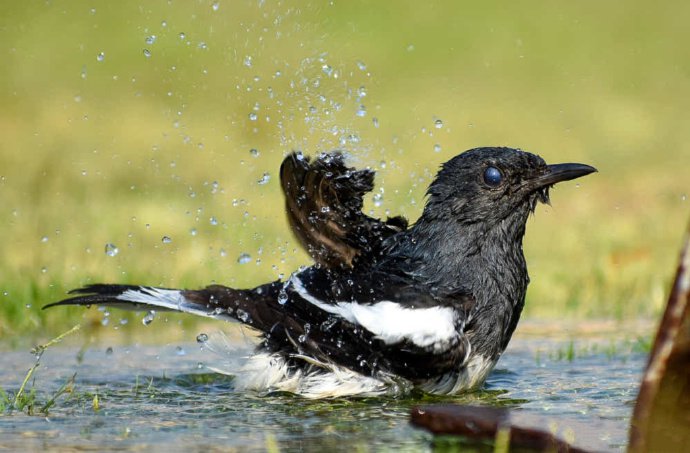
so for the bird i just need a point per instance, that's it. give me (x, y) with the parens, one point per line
(386, 308)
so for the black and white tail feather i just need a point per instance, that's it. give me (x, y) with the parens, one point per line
(386, 308)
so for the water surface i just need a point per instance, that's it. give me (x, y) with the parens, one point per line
(164, 398)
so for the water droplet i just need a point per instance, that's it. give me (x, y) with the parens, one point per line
(149, 317)
(254, 152)
(147, 53)
(248, 61)
(264, 179)
(375, 121)
(100, 56)
(150, 39)
(253, 116)
(378, 199)
(244, 258)
(303, 338)
(328, 324)
(44, 239)
(180, 351)
(109, 351)
(166, 239)
(327, 70)
(111, 249)
(437, 148)
(243, 315)
(683, 197)
(361, 111)
(213, 221)
(202, 338)
(325, 209)
(361, 65)
(438, 124)
(193, 232)
(223, 253)
(182, 36)
(215, 6)
(282, 297)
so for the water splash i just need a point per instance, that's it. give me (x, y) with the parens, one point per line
(243, 315)
(244, 258)
(111, 249)
(149, 317)
(378, 199)
(265, 178)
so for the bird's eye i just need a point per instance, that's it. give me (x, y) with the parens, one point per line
(493, 176)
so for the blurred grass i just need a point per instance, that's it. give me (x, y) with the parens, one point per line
(127, 148)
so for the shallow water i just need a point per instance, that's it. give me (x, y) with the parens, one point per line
(163, 398)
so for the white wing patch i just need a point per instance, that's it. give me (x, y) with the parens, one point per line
(433, 327)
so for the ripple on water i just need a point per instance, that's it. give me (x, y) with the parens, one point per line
(152, 395)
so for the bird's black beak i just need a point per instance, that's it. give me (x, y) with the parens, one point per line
(554, 174)
(561, 172)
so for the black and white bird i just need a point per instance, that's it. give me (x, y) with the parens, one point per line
(386, 307)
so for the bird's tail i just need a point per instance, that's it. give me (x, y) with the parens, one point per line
(215, 301)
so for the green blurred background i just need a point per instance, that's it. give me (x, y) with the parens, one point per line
(124, 122)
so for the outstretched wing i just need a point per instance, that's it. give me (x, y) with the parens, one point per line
(324, 201)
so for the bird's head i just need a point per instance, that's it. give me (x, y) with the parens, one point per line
(491, 184)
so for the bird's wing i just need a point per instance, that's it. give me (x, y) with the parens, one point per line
(324, 200)
(378, 323)
(379, 326)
